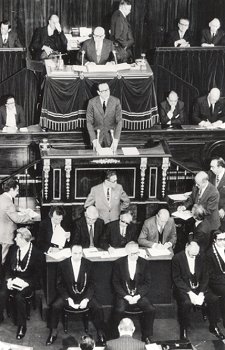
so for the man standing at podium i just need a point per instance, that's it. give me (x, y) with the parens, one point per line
(104, 119)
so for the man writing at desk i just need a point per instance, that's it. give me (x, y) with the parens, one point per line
(209, 110)
(97, 50)
(104, 116)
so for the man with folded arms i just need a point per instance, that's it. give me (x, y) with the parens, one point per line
(182, 36)
(75, 290)
(23, 276)
(190, 277)
(214, 35)
(159, 231)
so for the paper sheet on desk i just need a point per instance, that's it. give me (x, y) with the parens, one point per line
(59, 236)
(184, 215)
(119, 252)
(130, 151)
(24, 129)
(179, 196)
(158, 252)
(61, 254)
(7, 346)
(92, 252)
(153, 346)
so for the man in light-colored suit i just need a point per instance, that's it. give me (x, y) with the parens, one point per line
(104, 119)
(158, 231)
(9, 216)
(125, 341)
(98, 50)
(108, 197)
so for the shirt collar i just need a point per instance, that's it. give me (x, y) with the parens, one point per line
(50, 31)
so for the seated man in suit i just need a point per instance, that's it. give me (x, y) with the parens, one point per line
(159, 231)
(97, 50)
(88, 230)
(125, 341)
(23, 276)
(217, 178)
(190, 277)
(104, 117)
(75, 290)
(201, 230)
(131, 281)
(216, 268)
(206, 194)
(109, 198)
(182, 36)
(53, 234)
(11, 115)
(171, 111)
(119, 232)
(48, 40)
(214, 35)
(209, 110)
(8, 38)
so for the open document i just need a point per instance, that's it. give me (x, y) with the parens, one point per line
(184, 215)
(159, 252)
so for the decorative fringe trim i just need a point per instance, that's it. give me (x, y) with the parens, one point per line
(68, 125)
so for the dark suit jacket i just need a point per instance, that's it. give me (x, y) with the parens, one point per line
(13, 40)
(220, 188)
(178, 114)
(202, 235)
(113, 238)
(32, 275)
(150, 234)
(20, 118)
(125, 342)
(96, 119)
(201, 111)
(81, 234)
(40, 38)
(174, 36)
(90, 51)
(217, 40)
(209, 201)
(216, 277)
(121, 32)
(121, 277)
(181, 273)
(45, 234)
(66, 281)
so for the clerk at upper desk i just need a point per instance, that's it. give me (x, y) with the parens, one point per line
(97, 50)
(8, 38)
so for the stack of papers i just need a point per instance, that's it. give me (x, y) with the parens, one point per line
(61, 254)
(184, 215)
(92, 252)
(179, 196)
(158, 252)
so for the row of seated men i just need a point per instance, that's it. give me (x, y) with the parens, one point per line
(51, 38)
(131, 277)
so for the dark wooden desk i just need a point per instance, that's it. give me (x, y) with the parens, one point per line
(161, 283)
(12, 60)
(66, 110)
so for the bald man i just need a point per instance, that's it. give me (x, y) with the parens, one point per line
(171, 111)
(205, 194)
(97, 50)
(214, 35)
(159, 231)
(49, 39)
(88, 230)
(209, 109)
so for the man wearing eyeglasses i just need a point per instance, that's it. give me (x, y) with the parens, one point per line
(98, 50)
(11, 115)
(132, 281)
(109, 198)
(88, 229)
(104, 119)
(119, 232)
(182, 36)
(216, 268)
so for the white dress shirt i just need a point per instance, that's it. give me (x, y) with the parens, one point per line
(132, 264)
(76, 268)
(191, 263)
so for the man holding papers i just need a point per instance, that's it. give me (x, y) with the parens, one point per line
(52, 233)
(23, 275)
(75, 290)
(159, 231)
(190, 277)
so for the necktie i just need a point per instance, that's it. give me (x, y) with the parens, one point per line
(104, 106)
(91, 236)
(108, 195)
(199, 196)
(5, 41)
(217, 180)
